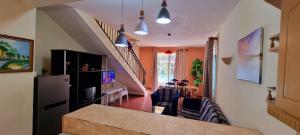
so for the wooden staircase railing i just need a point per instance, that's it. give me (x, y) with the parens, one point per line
(127, 53)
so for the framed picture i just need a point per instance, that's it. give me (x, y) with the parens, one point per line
(16, 54)
(249, 64)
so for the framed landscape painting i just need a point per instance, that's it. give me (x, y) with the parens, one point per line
(16, 54)
(249, 64)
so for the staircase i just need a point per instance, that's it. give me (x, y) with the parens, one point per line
(127, 53)
(97, 37)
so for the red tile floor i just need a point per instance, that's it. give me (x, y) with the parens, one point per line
(140, 103)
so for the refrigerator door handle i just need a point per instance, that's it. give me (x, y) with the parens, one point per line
(47, 107)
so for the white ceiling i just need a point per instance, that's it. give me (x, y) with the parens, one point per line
(193, 21)
(42, 3)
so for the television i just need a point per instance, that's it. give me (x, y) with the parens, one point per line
(107, 77)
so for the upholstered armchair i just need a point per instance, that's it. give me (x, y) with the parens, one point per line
(168, 98)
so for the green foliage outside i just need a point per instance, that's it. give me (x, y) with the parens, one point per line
(197, 72)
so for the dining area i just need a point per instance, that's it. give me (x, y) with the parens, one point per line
(168, 98)
(184, 88)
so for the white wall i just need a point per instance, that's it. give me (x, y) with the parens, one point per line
(242, 102)
(16, 89)
(50, 36)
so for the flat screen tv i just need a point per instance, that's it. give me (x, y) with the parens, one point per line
(108, 77)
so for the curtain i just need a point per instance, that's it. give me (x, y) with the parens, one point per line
(208, 67)
(180, 64)
(155, 83)
(215, 69)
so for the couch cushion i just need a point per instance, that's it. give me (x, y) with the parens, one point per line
(164, 104)
(222, 118)
(206, 112)
(188, 113)
(210, 112)
(192, 104)
(212, 116)
(205, 105)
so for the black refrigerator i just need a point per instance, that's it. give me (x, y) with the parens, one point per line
(51, 102)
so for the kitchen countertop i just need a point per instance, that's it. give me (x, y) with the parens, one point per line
(105, 120)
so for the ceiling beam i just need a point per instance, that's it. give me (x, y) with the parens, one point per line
(276, 3)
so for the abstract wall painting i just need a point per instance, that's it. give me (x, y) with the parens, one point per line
(250, 50)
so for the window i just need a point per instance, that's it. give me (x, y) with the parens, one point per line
(165, 67)
(214, 70)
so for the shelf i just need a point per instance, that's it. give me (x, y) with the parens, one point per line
(70, 62)
(275, 49)
(272, 88)
(275, 37)
(71, 70)
(271, 102)
(89, 71)
(283, 116)
(88, 102)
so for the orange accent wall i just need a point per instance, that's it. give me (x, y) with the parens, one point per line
(192, 54)
(147, 60)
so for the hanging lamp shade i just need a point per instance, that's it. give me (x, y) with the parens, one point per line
(141, 28)
(164, 15)
(121, 40)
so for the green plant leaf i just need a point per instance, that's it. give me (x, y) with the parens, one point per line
(197, 71)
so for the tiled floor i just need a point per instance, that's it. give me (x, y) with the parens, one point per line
(139, 103)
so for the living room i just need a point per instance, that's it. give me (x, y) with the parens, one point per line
(208, 32)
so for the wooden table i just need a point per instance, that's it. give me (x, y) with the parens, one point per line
(106, 120)
(111, 91)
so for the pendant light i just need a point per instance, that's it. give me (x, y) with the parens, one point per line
(164, 15)
(122, 40)
(141, 28)
(169, 52)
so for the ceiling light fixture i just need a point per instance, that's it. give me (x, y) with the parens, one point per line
(122, 40)
(141, 28)
(168, 52)
(164, 15)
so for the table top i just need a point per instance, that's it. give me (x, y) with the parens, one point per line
(99, 119)
(113, 90)
(158, 109)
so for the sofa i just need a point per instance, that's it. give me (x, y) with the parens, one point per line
(202, 109)
(168, 98)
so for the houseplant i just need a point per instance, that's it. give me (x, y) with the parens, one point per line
(197, 71)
